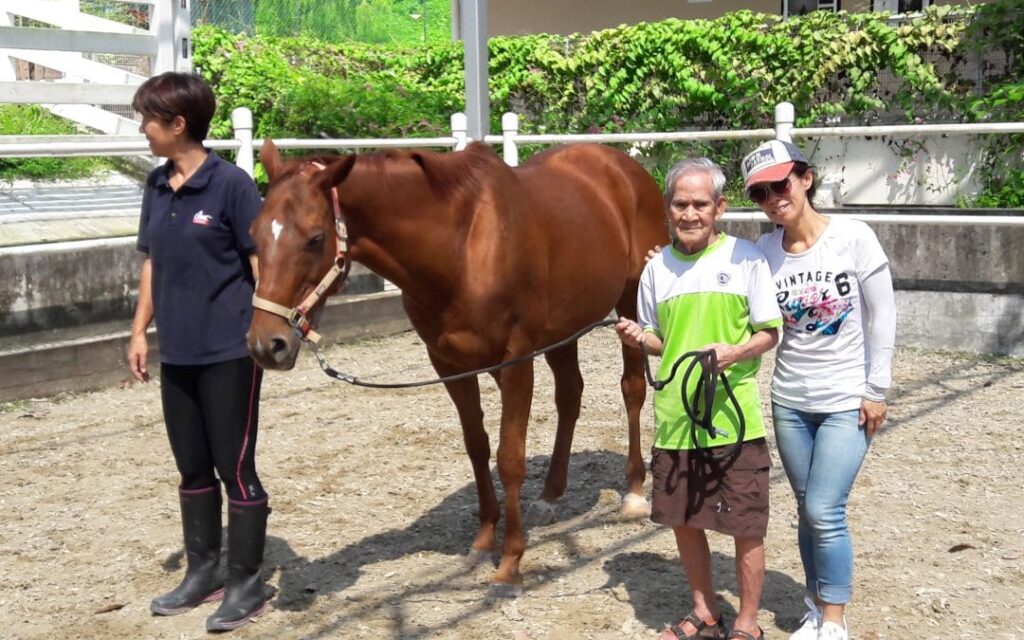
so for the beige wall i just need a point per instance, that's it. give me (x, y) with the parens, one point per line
(513, 17)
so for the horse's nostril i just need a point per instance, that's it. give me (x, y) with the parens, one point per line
(278, 346)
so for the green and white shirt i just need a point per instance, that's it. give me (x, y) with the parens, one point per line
(722, 294)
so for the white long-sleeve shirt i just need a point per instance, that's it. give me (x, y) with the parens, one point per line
(839, 319)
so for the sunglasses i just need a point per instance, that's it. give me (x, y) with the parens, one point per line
(760, 192)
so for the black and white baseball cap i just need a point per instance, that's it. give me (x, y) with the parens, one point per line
(771, 162)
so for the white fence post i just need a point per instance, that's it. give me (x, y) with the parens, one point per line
(509, 131)
(785, 117)
(7, 64)
(182, 36)
(460, 125)
(241, 122)
(161, 26)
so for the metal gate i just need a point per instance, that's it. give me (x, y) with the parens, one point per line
(91, 65)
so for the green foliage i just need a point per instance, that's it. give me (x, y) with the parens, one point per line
(131, 14)
(667, 76)
(375, 106)
(303, 88)
(32, 120)
(1003, 190)
(672, 75)
(405, 22)
(1002, 172)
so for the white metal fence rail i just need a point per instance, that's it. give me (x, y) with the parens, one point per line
(244, 145)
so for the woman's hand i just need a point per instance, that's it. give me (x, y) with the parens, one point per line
(872, 415)
(652, 252)
(138, 352)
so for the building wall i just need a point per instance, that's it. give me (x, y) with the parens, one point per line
(516, 17)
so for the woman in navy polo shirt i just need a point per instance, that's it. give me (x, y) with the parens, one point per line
(197, 281)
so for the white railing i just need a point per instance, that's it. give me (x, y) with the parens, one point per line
(929, 219)
(784, 130)
(244, 145)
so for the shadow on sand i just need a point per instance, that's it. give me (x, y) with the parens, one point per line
(654, 582)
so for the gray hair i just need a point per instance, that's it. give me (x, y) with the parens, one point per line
(695, 165)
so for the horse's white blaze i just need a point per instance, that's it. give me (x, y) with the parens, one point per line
(275, 229)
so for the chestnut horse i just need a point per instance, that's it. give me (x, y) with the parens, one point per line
(493, 263)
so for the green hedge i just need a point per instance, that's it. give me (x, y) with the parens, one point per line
(672, 75)
(728, 72)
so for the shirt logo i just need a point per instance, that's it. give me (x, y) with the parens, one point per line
(201, 218)
(723, 278)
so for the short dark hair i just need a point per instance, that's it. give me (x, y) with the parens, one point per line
(174, 94)
(801, 168)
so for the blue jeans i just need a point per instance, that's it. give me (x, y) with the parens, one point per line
(822, 453)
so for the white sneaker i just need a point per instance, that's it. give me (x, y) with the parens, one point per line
(809, 623)
(833, 631)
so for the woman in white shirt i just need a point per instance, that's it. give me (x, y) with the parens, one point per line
(832, 368)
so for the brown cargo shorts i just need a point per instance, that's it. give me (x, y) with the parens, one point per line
(728, 496)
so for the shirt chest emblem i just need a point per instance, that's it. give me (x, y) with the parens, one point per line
(201, 218)
(723, 278)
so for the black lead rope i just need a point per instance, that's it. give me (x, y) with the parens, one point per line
(705, 363)
(706, 384)
(353, 380)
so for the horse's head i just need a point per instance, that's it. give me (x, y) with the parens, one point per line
(298, 246)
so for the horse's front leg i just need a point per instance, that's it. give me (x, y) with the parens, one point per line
(466, 396)
(634, 390)
(516, 397)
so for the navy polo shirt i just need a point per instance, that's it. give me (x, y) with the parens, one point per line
(199, 243)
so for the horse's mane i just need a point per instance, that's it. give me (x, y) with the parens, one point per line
(296, 164)
(447, 173)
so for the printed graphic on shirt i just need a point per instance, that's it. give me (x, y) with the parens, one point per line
(201, 218)
(815, 302)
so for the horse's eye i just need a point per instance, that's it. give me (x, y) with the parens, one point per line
(315, 242)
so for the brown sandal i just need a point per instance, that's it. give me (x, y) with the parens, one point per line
(736, 634)
(713, 630)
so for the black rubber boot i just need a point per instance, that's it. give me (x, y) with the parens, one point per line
(200, 523)
(245, 596)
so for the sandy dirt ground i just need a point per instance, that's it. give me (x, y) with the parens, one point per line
(374, 508)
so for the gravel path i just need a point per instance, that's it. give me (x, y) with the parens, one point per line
(374, 506)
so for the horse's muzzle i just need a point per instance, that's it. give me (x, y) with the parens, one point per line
(276, 351)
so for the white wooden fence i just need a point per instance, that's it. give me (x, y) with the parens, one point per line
(85, 83)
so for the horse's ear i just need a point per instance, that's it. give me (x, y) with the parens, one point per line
(334, 173)
(419, 159)
(271, 159)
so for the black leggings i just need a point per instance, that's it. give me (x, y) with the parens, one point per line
(212, 412)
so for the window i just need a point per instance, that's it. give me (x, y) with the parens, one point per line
(900, 6)
(800, 7)
(912, 6)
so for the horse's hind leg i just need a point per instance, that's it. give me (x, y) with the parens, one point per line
(564, 363)
(466, 396)
(634, 391)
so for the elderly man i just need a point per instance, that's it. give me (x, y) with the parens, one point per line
(708, 292)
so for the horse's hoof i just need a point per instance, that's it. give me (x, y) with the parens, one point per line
(502, 590)
(477, 556)
(634, 507)
(540, 513)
